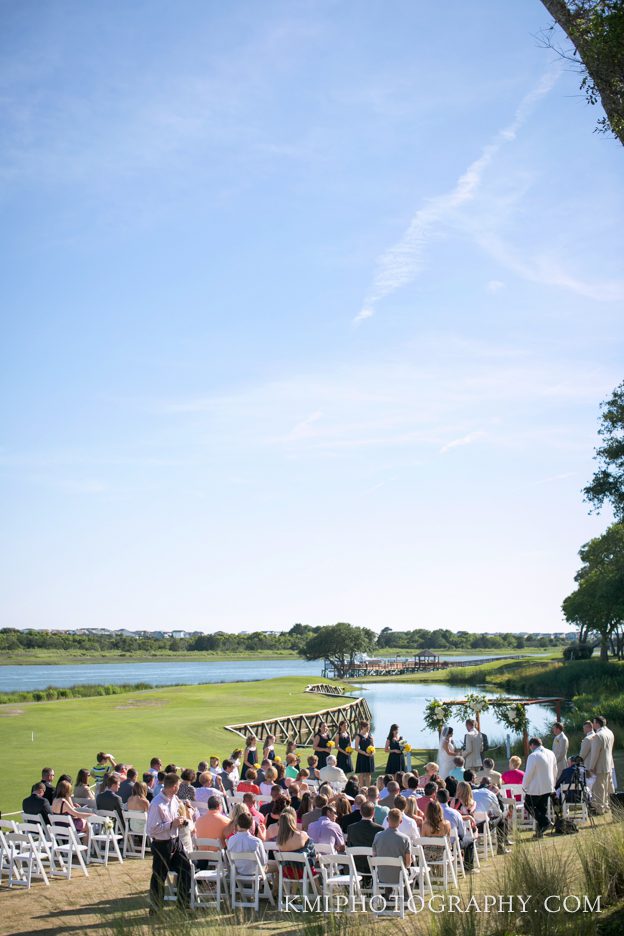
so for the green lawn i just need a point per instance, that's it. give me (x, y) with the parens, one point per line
(40, 656)
(182, 724)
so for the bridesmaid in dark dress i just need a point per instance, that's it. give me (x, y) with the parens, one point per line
(250, 756)
(343, 741)
(320, 745)
(268, 752)
(396, 758)
(365, 763)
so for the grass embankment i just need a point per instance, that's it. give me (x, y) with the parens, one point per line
(471, 679)
(181, 724)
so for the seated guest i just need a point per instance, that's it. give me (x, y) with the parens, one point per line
(305, 805)
(249, 800)
(487, 801)
(320, 802)
(332, 774)
(412, 810)
(212, 824)
(432, 770)
(372, 795)
(138, 800)
(292, 767)
(390, 794)
(407, 825)
(457, 773)
(201, 768)
(430, 794)
(313, 766)
(514, 774)
(278, 805)
(289, 838)
(187, 788)
(362, 834)
(82, 789)
(261, 772)
(488, 772)
(36, 804)
(458, 829)
(159, 783)
(392, 844)
(295, 795)
(126, 786)
(244, 840)
(249, 785)
(63, 805)
(104, 766)
(226, 777)
(352, 788)
(47, 776)
(343, 808)
(270, 779)
(150, 781)
(207, 788)
(109, 799)
(326, 831)
(412, 786)
(463, 800)
(302, 779)
(276, 791)
(434, 826)
(353, 814)
(171, 768)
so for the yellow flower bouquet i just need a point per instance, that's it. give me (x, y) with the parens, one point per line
(349, 750)
(370, 750)
(257, 766)
(277, 760)
(331, 744)
(407, 748)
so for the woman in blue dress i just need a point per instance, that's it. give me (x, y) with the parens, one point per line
(343, 741)
(365, 763)
(394, 750)
(321, 745)
(250, 756)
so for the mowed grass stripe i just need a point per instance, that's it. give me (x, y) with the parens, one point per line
(181, 724)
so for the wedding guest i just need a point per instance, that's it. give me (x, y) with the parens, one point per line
(458, 829)
(268, 783)
(215, 766)
(126, 786)
(487, 772)
(391, 843)
(226, 777)
(110, 800)
(36, 804)
(429, 796)
(155, 766)
(289, 838)
(412, 787)
(279, 804)
(407, 825)
(248, 784)
(150, 781)
(362, 835)
(320, 802)
(292, 769)
(250, 802)
(312, 763)
(539, 783)
(105, 765)
(47, 776)
(63, 805)
(212, 824)
(82, 789)
(457, 773)
(514, 774)
(372, 795)
(187, 790)
(333, 775)
(390, 794)
(244, 840)
(326, 831)
(463, 800)
(138, 801)
(352, 788)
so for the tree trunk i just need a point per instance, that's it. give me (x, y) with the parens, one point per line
(607, 81)
(604, 647)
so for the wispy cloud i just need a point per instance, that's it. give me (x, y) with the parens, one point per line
(402, 262)
(495, 286)
(467, 439)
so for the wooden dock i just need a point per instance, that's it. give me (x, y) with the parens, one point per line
(382, 667)
(302, 728)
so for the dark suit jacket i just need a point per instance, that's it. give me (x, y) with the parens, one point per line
(111, 802)
(360, 835)
(125, 790)
(49, 791)
(37, 806)
(345, 821)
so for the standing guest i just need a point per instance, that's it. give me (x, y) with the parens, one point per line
(560, 747)
(63, 805)
(105, 765)
(600, 765)
(392, 844)
(365, 763)
(326, 831)
(407, 825)
(226, 777)
(109, 799)
(539, 783)
(187, 789)
(430, 794)
(206, 790)
(82, 790)
(155, 766)
(343, 748)
(47, 776)
(320, 745)
(248, 784)
(250, 756)
(514, 774)
(333, 775)
(394, 750)
(244, 840)
(212, 824)
(268, 751)
(488, 773)
(372, 795)
(36, 804)
(163, 827)
(588, 734)
(126, 786)
(138, 801)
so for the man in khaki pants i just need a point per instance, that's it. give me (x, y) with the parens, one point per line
(600, 765)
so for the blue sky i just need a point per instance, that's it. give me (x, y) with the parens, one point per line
(308, 309)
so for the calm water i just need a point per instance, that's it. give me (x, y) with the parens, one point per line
(26, 678)
(405, 704)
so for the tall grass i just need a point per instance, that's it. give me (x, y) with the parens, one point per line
(52, 693)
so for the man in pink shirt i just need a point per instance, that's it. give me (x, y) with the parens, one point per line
(249, 800)
(431, 790)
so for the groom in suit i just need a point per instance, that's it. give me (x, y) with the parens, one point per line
(473, 746)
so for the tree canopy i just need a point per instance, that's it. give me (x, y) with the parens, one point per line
(596, 30)
(340, 644)
(607, 484)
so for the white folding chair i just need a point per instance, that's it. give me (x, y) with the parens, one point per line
(444, 862)
(513, 794)
(570, 808)
(250, 887)
(418, 871)
(40, 840)
(393, 893)
(324, 849)
(37, 819)
(65, 847)
(103, 838)
(484, 840)
(300, 877)
(362, 851)
(207, 885)
(135, 834)
(338, 872)
(118, 824)
(25, 860)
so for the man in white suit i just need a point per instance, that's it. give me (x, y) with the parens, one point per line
(560, 747)
(538, 783)
(600, 765)
(473, 746)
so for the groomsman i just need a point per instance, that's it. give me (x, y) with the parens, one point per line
(600, 765)
(560, 747)
(588, 731)
(473, 746)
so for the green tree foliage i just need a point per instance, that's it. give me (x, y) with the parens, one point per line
(607, 484)
(596, 30)
(596, 606)
(340, 644)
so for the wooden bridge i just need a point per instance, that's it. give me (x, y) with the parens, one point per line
(325, 689)
(398, 667)
(302, 728)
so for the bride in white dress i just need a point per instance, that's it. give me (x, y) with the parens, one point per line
(446, 752)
